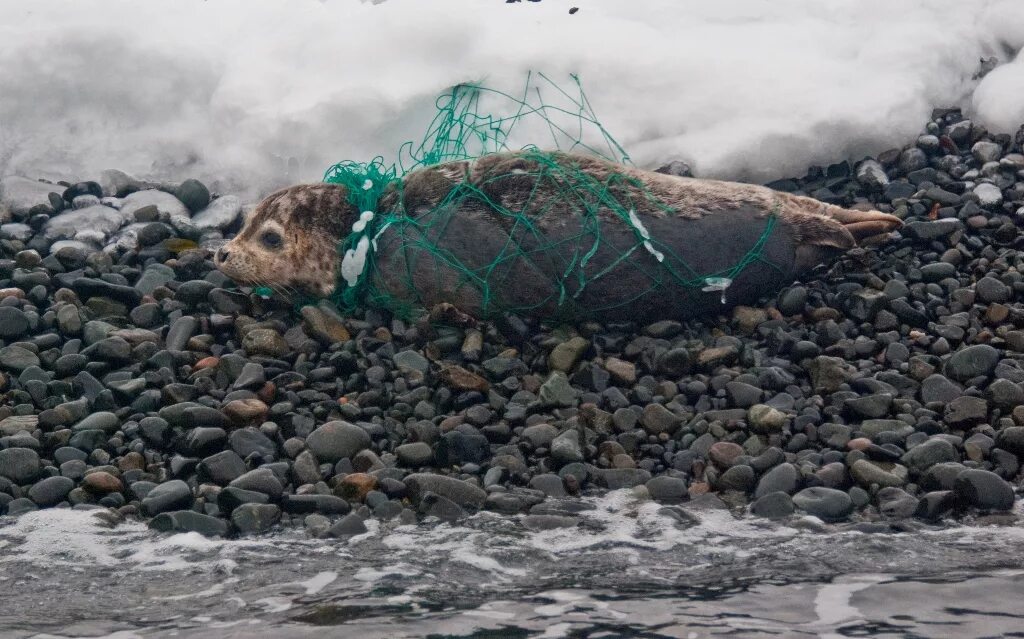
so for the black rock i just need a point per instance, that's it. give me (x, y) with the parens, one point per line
(983, 489)
(20, 465)
(827, 504)
(171, 495)
(782, 478)
(348, 526)
(337, 440)
(50, 491)
(189, 521)
(970, 362)
(255, 518)
(773, 505)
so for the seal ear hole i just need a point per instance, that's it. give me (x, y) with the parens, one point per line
(271, 239)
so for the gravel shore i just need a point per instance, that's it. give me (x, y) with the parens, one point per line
(885, 390)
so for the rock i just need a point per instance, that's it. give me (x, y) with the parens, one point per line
(171, 495)
(556, 391)
(20, 465)
(540, 435)
(782, 478)
(337, 440)
(931, 230)
(970, 362)
(657, 419)
(674, 362)
(925, 455)
(101, 483)
(220, 214)
(711, 358)
(460, 492)
(193, 194)
(983, 489)
(415, 454)
(13, 323)
(50, 491)
(765, 420)
(1011, 439)
(723, 454)
(407, 361)
(255, 518)
(18, 195)
(773, 505)
(828, 373)
(990, 290)
(985, 151)
(261, 480)
(355, 486)
(621, 371)
(871, 174)
(189, 521)
(324, 325)
(896, 503)
(460, 379)
(667, 489)
(739, 477)
(99, 219)
(936, 388)
(867, 473)
(263, 341)
(17, 358)
(989, 196)
(565, 355)
(566, 449)
(348, 526)
(965, 411)
(826, 504)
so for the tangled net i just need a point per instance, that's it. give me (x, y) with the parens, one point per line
(560, 267)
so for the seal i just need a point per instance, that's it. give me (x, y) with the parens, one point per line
(545, 234)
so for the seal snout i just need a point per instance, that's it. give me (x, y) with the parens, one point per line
(221, 256)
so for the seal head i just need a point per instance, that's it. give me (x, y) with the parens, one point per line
(289, 242)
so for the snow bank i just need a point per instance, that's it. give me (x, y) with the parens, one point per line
(265, 92)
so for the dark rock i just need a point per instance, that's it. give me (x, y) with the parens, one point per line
(255, 518)
(782, 478)
(189, 521)
(983, 489)
(827, 504)
(171, 495)
(461, 492)
(337, 440)
(773, 505)
(970, 362)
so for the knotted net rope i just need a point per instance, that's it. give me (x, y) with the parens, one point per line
(463, 129)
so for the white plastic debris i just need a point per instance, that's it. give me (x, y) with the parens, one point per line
(368, 184)
(644, 233)
(364, 219)
(354, 262)
(713, 284)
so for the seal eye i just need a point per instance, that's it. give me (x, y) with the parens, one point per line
(272, 239)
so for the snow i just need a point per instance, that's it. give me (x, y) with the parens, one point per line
(249, 94)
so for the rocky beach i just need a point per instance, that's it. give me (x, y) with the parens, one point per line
(885, 393)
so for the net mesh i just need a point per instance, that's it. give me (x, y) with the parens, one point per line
(528, 268)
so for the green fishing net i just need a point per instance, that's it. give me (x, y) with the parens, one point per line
(473, 121)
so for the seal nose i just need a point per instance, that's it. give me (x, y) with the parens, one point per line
(221, 255)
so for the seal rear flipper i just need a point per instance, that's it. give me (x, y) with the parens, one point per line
(864, 224)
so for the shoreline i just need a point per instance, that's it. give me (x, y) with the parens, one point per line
(886, 388)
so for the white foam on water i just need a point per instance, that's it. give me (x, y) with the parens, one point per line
(61, 536)
(274, 91)
(833, 603)
(318, 582)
